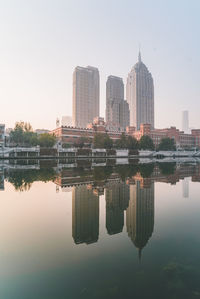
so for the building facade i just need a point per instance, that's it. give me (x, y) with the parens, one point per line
(85, 95)
(117, 109)
(140, 95)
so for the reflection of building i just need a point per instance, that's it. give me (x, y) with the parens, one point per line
(1, 179)
(85, 95)
(185, 186)
(140, 213)
(85, 215)
(117, 199)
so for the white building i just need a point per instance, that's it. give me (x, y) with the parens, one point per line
(117, 109)
(140, 95)
(185, 122)
(85, 95)
(66, 121)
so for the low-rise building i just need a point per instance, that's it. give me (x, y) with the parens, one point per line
(66, 134)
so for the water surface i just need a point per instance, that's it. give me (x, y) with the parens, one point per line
(100, 232)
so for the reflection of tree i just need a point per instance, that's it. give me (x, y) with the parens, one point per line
(167, 168)
(102, 173)
(125, 171)
(146, 170)
(23, 179)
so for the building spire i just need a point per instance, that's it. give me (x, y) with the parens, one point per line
(139, 56)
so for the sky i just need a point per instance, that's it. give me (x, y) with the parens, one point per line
(42, 41)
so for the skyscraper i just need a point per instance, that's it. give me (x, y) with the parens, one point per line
(140, 95)
(185, 121)
(117, 109)
(85, 95)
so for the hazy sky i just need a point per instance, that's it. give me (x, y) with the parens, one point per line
(42, 41)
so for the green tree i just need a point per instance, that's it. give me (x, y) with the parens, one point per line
(82, 141)
(122, 142)
(146, 143)
(23, 134)
(167, 144)
(132, 143)
(108, 142)
(46, 140)
(98, 141)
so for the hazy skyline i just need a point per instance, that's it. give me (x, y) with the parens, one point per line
(43, 41)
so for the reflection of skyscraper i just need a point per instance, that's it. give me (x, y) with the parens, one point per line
(117, 199)
(140, 214)
(185, 186)
(85, 215)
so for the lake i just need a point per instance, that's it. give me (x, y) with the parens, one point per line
(91, 232)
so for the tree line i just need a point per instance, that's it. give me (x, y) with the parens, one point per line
(23, 135)
(125, 142)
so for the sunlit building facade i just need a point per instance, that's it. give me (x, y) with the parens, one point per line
(85, 95)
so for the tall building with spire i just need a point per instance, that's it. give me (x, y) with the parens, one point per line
(140, 95)
(117, 109)
(85, 96)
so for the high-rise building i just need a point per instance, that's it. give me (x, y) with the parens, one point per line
(117, 109)
(140, 213)
(85, 95)
(140, 95)
(85, 215)
(185, 121)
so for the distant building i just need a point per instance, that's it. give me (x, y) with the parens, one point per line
(2, 135)
(66, 121)
(140, 95)
(85, 215)
(85, 95)
(117, 109)
(185, 122)
(41, 131)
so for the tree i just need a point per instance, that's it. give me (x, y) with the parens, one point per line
(167, 144)
(132, 143)
(122, 142)
(98, 141)
(23, 134)
(82, 141)
(146, 143)
(108, 142)
(46, 140)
